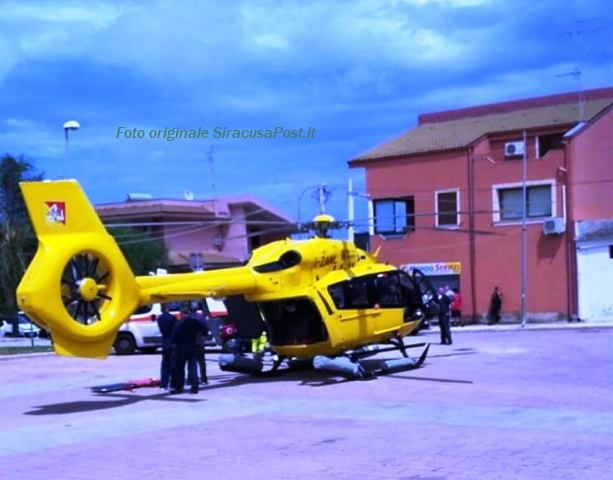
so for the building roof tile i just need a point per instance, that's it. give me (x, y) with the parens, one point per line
(459, 128)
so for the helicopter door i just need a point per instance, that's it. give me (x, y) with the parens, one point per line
(412, 303)
(429, 296)
(389, 295)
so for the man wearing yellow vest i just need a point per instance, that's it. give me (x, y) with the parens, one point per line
(258, 345)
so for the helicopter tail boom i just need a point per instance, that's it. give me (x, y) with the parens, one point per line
(188, 286)
(78, 286)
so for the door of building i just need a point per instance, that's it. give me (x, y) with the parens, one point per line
(595, 282)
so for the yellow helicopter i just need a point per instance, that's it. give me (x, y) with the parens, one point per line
(321, 299)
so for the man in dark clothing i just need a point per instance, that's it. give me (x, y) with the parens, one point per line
(184, 336)
(201, 342)
(443, 317)
(495, 306)
(166, 322)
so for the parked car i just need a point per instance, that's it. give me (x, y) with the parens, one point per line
(25, 327)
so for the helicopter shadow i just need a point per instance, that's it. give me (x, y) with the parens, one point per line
(431, 379)
(455, 353)
(306, 377)
(111, 400)
(118, 400)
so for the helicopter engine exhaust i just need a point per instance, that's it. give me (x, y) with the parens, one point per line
(228, 362)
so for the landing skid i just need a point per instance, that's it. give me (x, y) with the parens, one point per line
(248, 364)
(387, 367)
(351, 365)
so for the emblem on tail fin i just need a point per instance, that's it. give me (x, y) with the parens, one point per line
(56, 212)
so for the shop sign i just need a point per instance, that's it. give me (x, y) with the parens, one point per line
(438, 268)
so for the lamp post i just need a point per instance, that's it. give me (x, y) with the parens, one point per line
(71, 125)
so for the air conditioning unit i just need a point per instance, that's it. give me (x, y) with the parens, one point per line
(554, 226)
(514, 149)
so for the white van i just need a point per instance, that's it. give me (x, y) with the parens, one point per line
(141, 332)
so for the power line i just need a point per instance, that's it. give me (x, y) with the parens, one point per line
(189, 227)
(405, 192)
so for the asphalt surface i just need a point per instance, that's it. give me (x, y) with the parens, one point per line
(500, 403)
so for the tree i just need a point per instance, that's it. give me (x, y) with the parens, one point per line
(144, 251)
(17, 240)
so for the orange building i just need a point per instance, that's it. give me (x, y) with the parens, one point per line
(447, 197)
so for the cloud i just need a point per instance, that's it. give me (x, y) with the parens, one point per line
(32, 31)
(20, 123)
(359, 72)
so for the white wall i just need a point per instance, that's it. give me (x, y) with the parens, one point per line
(595, 282)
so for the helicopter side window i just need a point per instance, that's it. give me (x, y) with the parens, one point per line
(389, 291)
(338, 297)
(384, 290)
(356, 293)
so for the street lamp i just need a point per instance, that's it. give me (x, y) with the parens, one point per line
(71, 125)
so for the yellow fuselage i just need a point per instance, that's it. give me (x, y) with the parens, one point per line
(293, 282)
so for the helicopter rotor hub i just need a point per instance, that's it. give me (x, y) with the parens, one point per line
(88, 289)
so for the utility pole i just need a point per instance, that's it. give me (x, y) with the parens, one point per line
(524, 240)
(350, 212)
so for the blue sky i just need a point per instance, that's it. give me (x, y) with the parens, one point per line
(359, 72)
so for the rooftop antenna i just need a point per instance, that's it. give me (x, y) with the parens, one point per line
(577, 73)
(583, 26)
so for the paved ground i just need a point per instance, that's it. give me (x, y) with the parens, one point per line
(503, 403)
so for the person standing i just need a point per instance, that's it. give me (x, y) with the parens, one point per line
(495, 306)
(443, 317)
(166, 322)
(456, 308)
(184, 338)
(201, 343)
